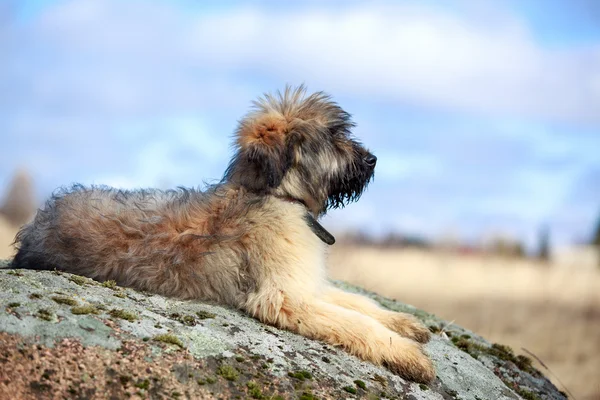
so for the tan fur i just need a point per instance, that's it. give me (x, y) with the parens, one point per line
(241, 243)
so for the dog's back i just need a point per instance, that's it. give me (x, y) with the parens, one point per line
(72, 218)
(184, 243)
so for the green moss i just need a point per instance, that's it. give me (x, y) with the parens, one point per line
(254, 391)
(210, 380)
(524, 361)
(14, 273)
(82, 310)
(145, 384)
(201, 382)
(503, 352)
(35, 296)
(465, 345)
(79, 280)
(228, 372)
(188, 320)
(168, 338)
(350, 389)
(45, 314)
(301, 375)
(527, 395)
(120, 295)
(110, 284)
(13, 305)
(307, 395)
(126, 315)
(380, 379)
(205, 314)
(277, 397)
(176, 395)
(239, 359)
(65, 300)
(423, 387)
(360, 384)
(496, 350)
(184, 319)
(525, 364)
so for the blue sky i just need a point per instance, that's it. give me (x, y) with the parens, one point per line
(485, 115)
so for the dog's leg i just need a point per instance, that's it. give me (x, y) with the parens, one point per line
(402, 323)
(357, 333)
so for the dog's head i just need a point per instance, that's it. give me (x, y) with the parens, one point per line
(301, 147)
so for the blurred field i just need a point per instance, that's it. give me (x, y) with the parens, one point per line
(551, 311)
(7, 235)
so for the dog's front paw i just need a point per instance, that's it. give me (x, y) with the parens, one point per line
(406, 325)
(408, 361)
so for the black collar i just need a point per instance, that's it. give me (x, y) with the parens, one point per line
(312, 222)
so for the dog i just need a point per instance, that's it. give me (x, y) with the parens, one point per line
(251, 241)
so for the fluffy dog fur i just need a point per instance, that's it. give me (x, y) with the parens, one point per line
(246, 242)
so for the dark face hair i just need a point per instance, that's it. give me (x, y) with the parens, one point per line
(352, 182)
(335, 167)
(301, 148)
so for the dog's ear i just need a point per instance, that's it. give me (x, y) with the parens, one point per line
(263, 155)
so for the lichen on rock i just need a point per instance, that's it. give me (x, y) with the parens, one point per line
(66, 336)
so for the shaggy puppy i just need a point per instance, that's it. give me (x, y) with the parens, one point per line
(251, 242)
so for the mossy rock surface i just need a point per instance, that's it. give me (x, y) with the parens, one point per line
(215, 352)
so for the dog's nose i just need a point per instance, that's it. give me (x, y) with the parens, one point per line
(370, 160)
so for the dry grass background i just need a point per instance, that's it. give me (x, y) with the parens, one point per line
(551, 311)
(7, 235)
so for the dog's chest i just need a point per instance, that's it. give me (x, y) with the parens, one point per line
(289, 249)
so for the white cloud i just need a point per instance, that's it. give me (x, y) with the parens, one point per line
(410, 53)
(418, 55)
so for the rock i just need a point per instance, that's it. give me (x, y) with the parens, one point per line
(65, 336)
